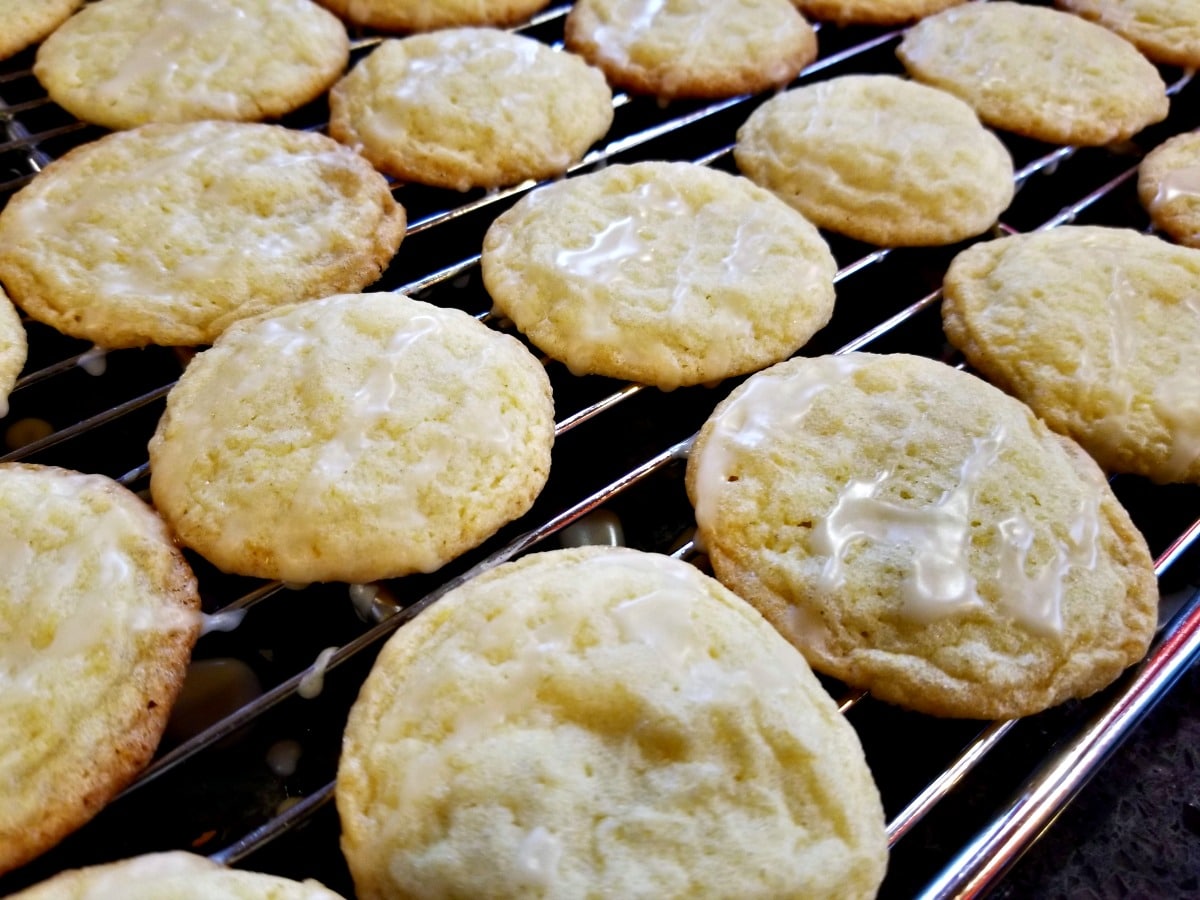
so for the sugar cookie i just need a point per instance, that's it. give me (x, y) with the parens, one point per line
(664, 273)
(692, 48)
(422, 15)
(171, 876)
(1039, 72)
(1169, 187)
(872, 12)
(29, 21)
(121, 63)
(168, 233)
(920, 534)
(13, 347)
(97, 620)
(1097, 330)
(602, 722)
(879, 159)
(470, 107)
(350, 439)
(1166, 31)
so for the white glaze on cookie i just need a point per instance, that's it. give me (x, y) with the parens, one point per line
(768, 403)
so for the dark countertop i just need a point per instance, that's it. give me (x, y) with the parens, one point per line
(1134, 830)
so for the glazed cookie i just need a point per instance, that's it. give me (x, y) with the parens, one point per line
(663, 273)
(359, 437)
(692, 48)
(879, 159)
(1042, 73)
(470, 107)
(602, 722)
(919, 534)
(13, 347)
(421, 15)
(872, 12)
(172, 876)
(1097, 330)
(28, 21)
(121, 63)
(98, 614)
(1169, 187)
(1166, 31)
(168, 233)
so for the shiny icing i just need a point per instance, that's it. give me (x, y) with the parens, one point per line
(771, 402)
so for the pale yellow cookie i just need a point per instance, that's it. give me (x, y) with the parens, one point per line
(602, 723)
(470, 107)
(121, 63)
(13, 347)
(25, 22)
(171, 876)
(1166, 31)
(168, 233)
(1042, 73)
(663, 273)
(1097, 330)
(359, 437)
(879, 159)
(423, 15)
(920, 534)
(872, 12)
(1169, 187)
(98, 614)
(692, 48)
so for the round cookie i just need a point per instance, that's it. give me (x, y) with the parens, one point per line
(168, 233)
(98, 614)
(1166, 31)
(663, 273)
(692, 48)
(920, 534)
(1042, 73)
(359, 437)
(172, 876)
(1169, 187)
(421, 15)
(470, 107)
(872, 12)
(13, 347)
(121, 63)
(1097, 330)
(602, 722)
(879, 159)
(28, 21)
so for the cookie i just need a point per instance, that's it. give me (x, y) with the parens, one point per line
(29, 21)
(1096, 329)
(172, 876)
(121, 63)
(663, 273)
(880, 159)
(421, 15)
(359, 437)
(13, 347)
(872, 12)
(98, 614)
(1038, 72)
(692, 48)
(917, 533)
(602, 722)
(168, 233)
(470, 107)
(1169, 187)
(1166, 31)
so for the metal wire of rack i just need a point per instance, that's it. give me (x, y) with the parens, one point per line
(955, 826)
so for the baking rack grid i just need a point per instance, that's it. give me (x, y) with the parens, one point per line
(252, 787)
